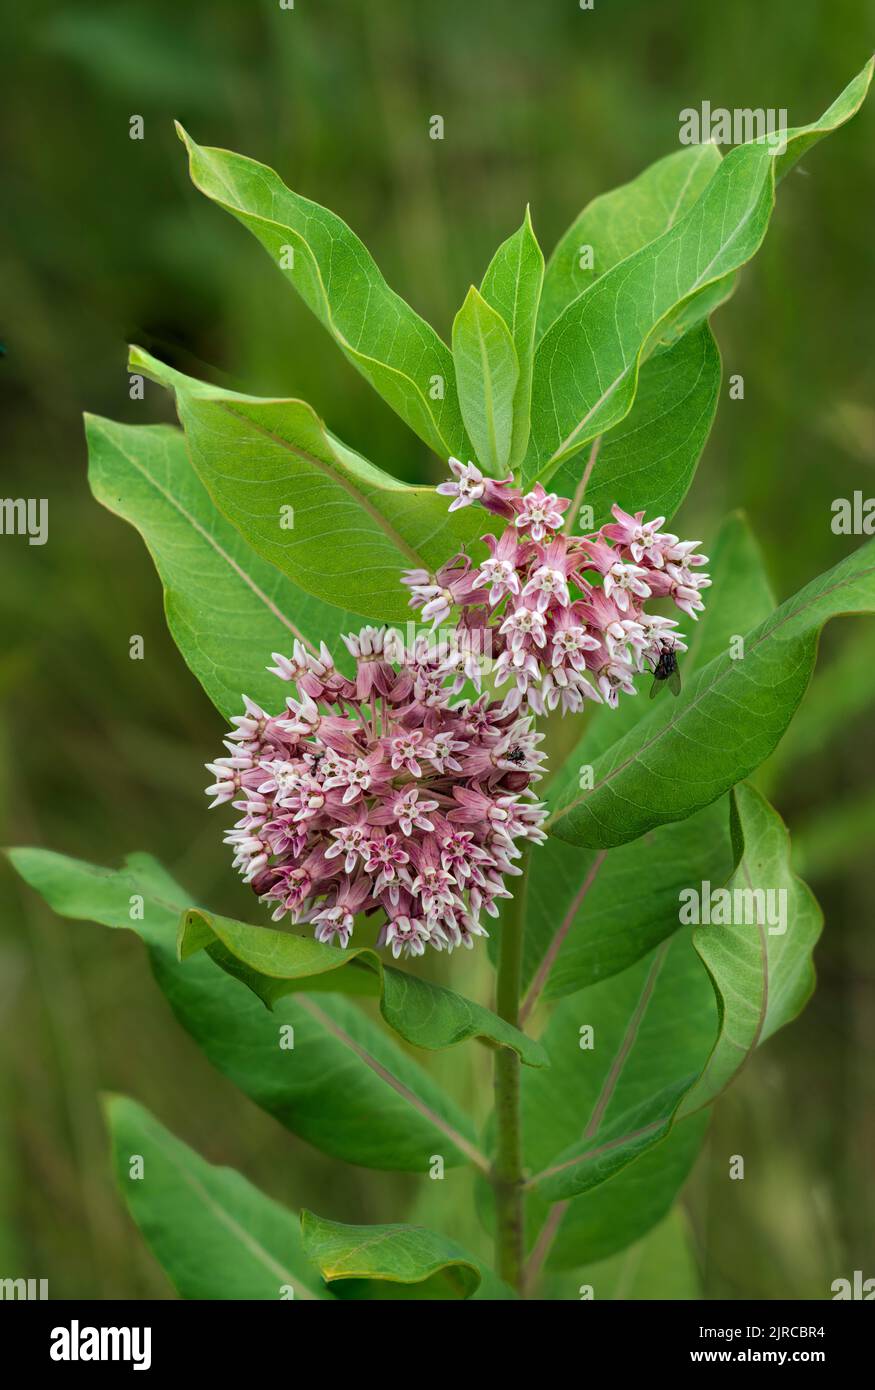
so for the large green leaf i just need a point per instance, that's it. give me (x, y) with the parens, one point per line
(275, 963)
(661, 1049)
(586, 365)
(726, 721)
(389, 1262)
(227, 609)
(648, 461)
(214, 1234)
(346, 1086)
(609, 1218)
(352, 529)
(590, 914)
(617, 224)
(762, 975)
(487, 371)
(334, 273)
(512, 285)
(600, 1107)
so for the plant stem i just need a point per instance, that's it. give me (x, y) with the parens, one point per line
(507, 1170)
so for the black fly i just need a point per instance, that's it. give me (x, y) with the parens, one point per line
(666, 669)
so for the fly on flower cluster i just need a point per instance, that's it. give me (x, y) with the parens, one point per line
(665, 669)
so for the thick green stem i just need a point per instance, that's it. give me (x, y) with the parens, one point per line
(507, 1170)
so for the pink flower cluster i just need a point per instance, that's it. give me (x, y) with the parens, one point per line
(373, 793)
(563, 615)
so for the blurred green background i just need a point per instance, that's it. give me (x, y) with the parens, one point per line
(105, 241)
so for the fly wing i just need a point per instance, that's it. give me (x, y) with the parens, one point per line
(674, 682)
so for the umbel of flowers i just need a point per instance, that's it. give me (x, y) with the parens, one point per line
(564, 615)
(374, 793)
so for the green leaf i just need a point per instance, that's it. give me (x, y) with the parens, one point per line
(512, 285)
(726, 721)
(352, 529)
(631, 1061)
(213, 1233)
(762, 975)
(608, 1218)
(617, 224)
(648, 461)
(590, 914)
(227, 609)
(487, 372)
(586, 365)
(661, 1266)
(394, 349)
(274, 963)
(613, 1216)
(346, 1087)
(599, 1107)
(390, 1262)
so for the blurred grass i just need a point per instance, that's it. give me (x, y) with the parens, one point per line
(106, 242)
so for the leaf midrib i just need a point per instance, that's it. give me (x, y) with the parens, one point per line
(249, 1242)
(337, 476)
(209, 539)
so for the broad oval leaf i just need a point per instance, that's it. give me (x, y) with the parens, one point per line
(346, 1087)
(586, 365)
(762, 970)
(602, 1106)
(658, 1052)
(213, 1233)
(274, 963)
(227, 608)
(389, 1262)
(394, 349)
(728, 718)
(607, 1219)
(616, 224)
(487, 372)
(335, 524)
(592, 913)
(648, 461)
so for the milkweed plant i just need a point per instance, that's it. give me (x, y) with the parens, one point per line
(508, 719)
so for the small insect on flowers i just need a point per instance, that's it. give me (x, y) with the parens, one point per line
(665, 669)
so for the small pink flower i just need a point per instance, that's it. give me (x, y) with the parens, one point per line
(640, 538)
(524, 625)
(499, 574)
(468, 487)
(625, 583)
(407, 936)
(540, 512)
(471, 486)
